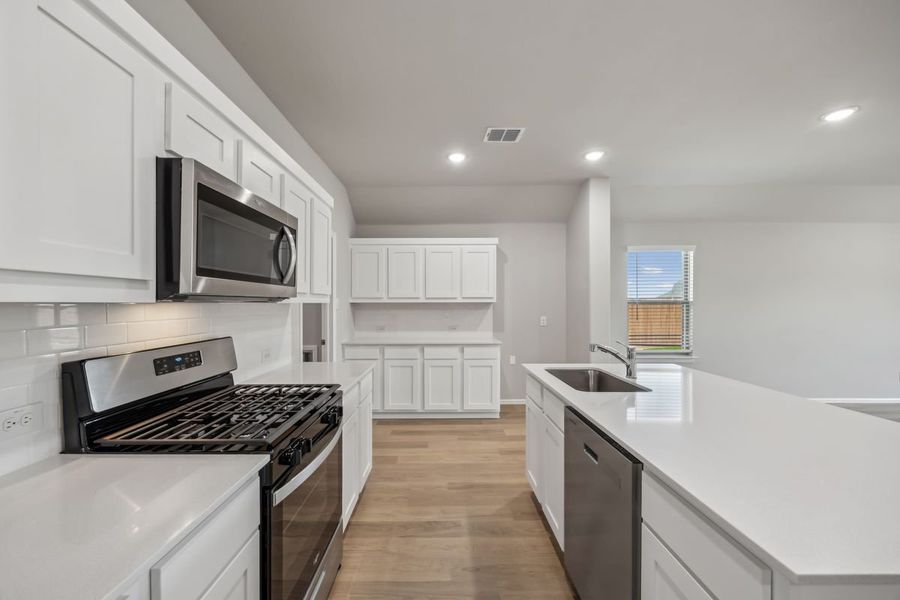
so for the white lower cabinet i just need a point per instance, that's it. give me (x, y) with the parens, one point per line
(443, 379)
(545, 457)
(553, 453)
(534, 421)
(218, 561)
(356, 443)
(433, 380)
(662, 576)
(350, 467)
(402, 379)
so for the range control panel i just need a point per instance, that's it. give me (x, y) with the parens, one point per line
(177, 362)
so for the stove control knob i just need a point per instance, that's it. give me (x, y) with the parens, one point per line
(305, 446)
(290, 457)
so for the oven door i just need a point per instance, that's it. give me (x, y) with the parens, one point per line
(233, 242)
(306, 527)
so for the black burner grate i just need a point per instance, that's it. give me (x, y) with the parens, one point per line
(251, 415)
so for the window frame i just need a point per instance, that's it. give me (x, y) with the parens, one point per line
(671, 354)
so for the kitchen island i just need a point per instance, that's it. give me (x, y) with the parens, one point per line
(804, 489)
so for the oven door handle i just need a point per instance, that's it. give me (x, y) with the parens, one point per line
(297, 480)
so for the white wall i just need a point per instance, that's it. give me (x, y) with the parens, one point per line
(531, 283)
(588, 271)
(181, 26)
(807, 308)
(36, 338)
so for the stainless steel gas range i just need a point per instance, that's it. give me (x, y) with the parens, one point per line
(182, 399)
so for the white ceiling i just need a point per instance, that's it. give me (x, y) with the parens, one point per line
(694, 92)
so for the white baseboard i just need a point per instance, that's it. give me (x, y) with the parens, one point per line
(434, 415)
(512, 401)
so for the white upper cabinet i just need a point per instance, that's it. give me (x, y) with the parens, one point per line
(479, 272)
(195, 130)
(405, 272)
(320, 247)
(82, 124)
(92, 96)
(297, 200)
(260, 173)
(367, 272)
(430, 270)
(442, 272)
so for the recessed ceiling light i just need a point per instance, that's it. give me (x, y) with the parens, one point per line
(456, 157)
(594, 155)
(839, 115)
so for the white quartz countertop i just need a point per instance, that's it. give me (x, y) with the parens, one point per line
(344, 374)
(811, 489)
(449, 339)
(81, 526)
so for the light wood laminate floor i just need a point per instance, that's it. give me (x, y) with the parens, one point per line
(448, 513)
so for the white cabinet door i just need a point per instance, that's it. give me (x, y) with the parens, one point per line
(367, 272)
(83, 120)
(663, 577)
(443, 384)
(365, 441)
(297, 200)
(402, 384)
(196, 130)
(534, 421)
(260, 173)
(350, 468)
(479, 272)
(240, 579)
(442, 272)
(320, 248)
(481, 384)
(552, 478)
(404, 272)
(196, 565)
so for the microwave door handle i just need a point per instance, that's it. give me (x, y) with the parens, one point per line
(290, 270)
(276, 255)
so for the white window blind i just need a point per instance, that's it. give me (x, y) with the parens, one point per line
(661, 299)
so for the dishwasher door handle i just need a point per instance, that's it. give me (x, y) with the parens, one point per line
(591, 454)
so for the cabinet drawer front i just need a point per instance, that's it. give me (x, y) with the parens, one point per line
(533, 390)
(447, 352)
(662, 576)
(724, 568)
(362, 352)
(365, 386)
(401, 351)
(554, 408)
(189, 569)
(488, 352)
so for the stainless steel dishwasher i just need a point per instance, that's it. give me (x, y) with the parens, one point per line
(602, 514)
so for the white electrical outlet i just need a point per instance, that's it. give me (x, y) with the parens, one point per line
(21, 420)
(512, 359)
(543, 321)
(379, 328)
(452, 327)
(265, 356)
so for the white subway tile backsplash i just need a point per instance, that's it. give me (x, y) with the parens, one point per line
(124, 313)
(80, 314)
(27, 316)
(12, 344)
(105, 334)
(36, 338)
(198, 326)
(58, 339)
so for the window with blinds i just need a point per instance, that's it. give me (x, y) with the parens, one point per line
(661, 299)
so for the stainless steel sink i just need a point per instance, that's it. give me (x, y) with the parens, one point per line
(595, 380)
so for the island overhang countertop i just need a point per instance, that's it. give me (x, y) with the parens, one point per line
(807, 487)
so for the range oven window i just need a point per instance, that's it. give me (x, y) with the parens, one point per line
(303, 524)
(234, 241)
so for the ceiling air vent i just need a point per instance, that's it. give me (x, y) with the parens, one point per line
(509, 135)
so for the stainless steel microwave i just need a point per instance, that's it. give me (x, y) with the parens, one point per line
(216, 241)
